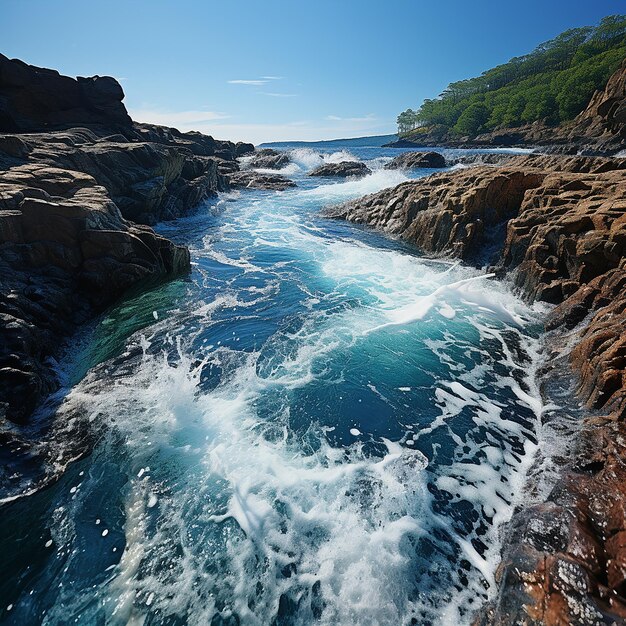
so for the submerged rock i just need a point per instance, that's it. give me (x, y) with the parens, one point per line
(414, 160)
(343, 169)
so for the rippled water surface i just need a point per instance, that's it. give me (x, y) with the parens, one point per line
(317, 426)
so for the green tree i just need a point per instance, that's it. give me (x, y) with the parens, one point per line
(472, 120)
(553, 83)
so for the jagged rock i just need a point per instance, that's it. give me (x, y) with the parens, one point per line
(249, 179)
(343, 169)
(38, 99)
(450, 213)
(414, 160)
(269, 159)
(242, 148)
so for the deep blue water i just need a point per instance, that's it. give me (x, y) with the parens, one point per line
(316, 426)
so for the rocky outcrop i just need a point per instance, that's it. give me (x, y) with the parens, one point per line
(451, 213)
(344, 169)
(269, 159)
(557, 226)
(148, 181)
(601, 127)
(250, 179)
(38, 99)
(415, 160)
(66, 252)
(74, 170)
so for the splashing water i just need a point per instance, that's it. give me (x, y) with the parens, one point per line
(322, 428)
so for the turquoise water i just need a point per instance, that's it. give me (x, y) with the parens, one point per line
(316, 426)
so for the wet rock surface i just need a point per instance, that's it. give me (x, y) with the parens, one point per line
(556, 225)
(66, 253)
(344, 169)
(415, 160)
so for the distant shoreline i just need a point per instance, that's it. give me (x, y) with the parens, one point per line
(374, 141)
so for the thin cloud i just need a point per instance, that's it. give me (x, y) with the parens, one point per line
(278, 95)
(370, 117)
(255, 82)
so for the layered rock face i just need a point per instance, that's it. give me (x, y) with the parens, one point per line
(557, 225)
(148, 181)
(449, 213)
(65, 253)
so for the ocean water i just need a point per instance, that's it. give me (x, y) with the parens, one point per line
(317, 426)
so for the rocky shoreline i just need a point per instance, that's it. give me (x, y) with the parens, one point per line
(81, 184)
(556, 226)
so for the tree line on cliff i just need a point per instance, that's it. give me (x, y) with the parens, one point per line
(552, 84)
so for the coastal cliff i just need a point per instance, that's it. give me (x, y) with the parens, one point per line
(556, 226)
(79, 180)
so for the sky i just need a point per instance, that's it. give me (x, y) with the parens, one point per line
(278, 70)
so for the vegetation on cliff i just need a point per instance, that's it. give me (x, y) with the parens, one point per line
(551, 84)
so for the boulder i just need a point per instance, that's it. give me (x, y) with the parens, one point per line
(415, 160)
(269, 159)
(241, 148)
(343, 169)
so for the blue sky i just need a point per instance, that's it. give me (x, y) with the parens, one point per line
(278, 69)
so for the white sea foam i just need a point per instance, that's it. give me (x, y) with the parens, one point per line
(240, 513)
(336, 192)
